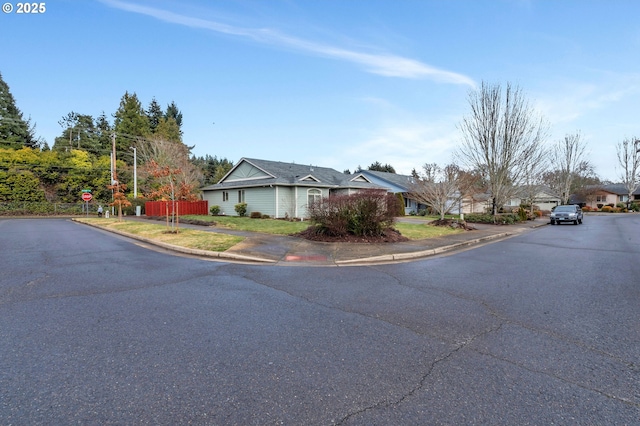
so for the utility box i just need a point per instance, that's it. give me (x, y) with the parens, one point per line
(138, 210)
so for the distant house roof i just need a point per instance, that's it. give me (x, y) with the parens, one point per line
(249, 172)
(401, 182)
(617, 188)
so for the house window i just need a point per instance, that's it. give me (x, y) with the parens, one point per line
(407, 202)
(601, 198)
(623, 198)
(225, 196)
(313, 195)
(241, 196)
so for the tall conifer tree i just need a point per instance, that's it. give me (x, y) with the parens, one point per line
(15, 132)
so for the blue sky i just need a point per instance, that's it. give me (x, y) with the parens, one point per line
(333, 83)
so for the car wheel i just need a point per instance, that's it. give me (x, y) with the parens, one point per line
(553, 222)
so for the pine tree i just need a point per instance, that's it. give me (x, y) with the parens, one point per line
(154, 114)
(15, 132)
(131, 124)
(79, 132)
(104, 130)
(174, 112)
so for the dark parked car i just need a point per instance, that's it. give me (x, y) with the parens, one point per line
(566, 213)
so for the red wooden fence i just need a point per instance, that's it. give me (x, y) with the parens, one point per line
(159, 208)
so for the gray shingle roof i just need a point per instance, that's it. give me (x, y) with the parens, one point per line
(402, 181)
(289, 174)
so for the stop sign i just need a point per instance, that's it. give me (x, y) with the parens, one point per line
(86, 196)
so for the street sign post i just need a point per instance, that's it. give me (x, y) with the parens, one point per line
(86, 197)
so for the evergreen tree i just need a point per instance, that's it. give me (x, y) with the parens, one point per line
(131, 124)
(382, 168)
(104, 131)
(154, 114)
(174, 112)
(68, 123)
(15, 132)
(213, 168)
(168, 129)
(79, 132)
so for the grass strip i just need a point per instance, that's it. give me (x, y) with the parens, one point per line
(190, 238)
(422, 231)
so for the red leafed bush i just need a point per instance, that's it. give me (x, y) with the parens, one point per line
(366, 213)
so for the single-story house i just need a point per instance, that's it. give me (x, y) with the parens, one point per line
(605, 194)
(279, 189)
(545, 199)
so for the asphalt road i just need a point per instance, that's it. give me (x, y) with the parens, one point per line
(542, 328)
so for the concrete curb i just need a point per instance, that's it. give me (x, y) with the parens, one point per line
(197, 252)
(421, 253)
(386, 258)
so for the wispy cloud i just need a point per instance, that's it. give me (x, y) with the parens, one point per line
(377, 63)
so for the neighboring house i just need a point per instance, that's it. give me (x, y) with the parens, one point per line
(545, 199)
(279, 189)
(476, 203)
(605, 194)
(396, 184)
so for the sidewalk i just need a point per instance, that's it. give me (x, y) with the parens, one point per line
(290, 251)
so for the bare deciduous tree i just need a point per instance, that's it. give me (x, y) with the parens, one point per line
(499, 136)
(629, 160)
(532, 175)
(163, 154)
(566, 159)
(440, 188)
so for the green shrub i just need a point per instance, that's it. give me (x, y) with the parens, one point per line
(479, 218)
(266, 216)
(503, 219)
(401, 203)
(635, 207)
(241, 209)
(214, 210)
(366, 213)
(522, 214)
(255, 215)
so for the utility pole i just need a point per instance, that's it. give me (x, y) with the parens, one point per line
(135, 173)
(114, 176)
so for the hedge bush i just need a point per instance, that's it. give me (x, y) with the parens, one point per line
(504, 219)
(366, 213)
(241, 209)
(214, 210)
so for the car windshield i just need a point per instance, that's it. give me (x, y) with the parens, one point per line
(565, 209)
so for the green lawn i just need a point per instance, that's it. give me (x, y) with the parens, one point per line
(413, 231)
(421, 231)
(203, 240)
(266, 226)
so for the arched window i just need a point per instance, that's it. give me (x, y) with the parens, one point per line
(313, 195)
